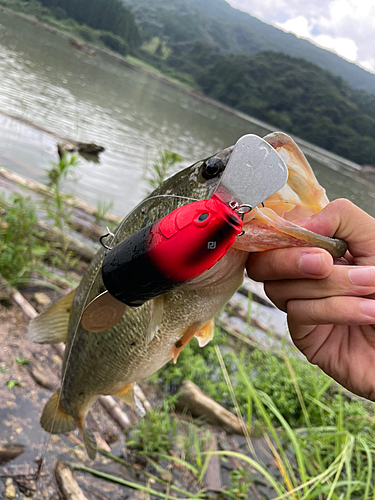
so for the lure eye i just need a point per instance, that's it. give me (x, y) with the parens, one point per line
(212, 167)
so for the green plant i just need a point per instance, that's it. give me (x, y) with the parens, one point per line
(114, 42)
(13, 383)
(162, 167)
(22, 360)
(240, 483)
(57, 209)
(155, 432)
(21, 249)
(103, 208)
(330, 461)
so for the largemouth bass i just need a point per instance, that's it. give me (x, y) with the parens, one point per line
(147, 337)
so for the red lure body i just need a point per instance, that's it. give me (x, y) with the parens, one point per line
(176, 249)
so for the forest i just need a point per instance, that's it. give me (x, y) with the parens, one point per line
(290, 94)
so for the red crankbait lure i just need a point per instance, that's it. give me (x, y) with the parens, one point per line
(173, 250)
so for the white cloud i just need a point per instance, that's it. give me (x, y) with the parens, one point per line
(346, 27)
(342, 46)
(298, 25)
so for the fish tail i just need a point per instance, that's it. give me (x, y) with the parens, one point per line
(55, 418)
(89, 441)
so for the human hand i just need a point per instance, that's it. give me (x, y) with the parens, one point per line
(330, 307)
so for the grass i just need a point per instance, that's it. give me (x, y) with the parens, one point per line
(162, 167)
(21, 249)
(321, 441)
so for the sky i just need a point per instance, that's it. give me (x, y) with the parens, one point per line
(346, 27)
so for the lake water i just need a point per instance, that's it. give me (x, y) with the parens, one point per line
(131, 114)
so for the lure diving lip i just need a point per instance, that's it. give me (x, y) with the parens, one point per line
(188, 241)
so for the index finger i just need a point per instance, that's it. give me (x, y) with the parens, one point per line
(289, 263)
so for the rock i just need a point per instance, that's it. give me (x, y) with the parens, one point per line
(10, 490)
(42, 299)
(10, 451)
(166, 475)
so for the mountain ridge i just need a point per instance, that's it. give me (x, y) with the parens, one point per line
(231, 30)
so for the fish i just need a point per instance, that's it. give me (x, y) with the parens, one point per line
(147, 337)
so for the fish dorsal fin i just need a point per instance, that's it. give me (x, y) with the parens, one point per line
(51, 326)
(206, 333)
(156, 316)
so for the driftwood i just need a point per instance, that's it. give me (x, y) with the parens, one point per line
(66, 482)
(54, 235)
(83, 148)
(194, 400)
(109, 404)
(37, 187)
(10, 451)
(138, 393)
(40, 378)
(212, 478)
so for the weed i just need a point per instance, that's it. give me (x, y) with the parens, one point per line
(4, 370)
(22, 360)
(21, 251)
(57, 209)
(13, 383)
(103, 208)
(240, 483)
(155, 433)
(162, 167)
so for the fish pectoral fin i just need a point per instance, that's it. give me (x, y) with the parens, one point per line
(156, 316)
(127, 395)
(185, 339)
(55, 419)
(89, 441)
(51, 326)
(206, 333)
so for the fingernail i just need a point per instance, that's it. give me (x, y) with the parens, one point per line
(368, 307)
(312, 263)
(362, 276)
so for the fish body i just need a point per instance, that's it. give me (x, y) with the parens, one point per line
(147, 337)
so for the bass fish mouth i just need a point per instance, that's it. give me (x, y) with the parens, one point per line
(276, 224)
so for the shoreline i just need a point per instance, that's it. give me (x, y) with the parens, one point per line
(326, 157)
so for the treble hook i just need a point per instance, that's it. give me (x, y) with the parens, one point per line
(109, 233)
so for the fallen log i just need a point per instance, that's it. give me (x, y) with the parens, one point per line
(212, 478)
(194, 400)
(66, 482)
(54, 235)
(37, 187)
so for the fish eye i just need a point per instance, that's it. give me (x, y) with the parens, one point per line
(212, 167)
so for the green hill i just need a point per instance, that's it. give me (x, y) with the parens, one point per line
(214, 23)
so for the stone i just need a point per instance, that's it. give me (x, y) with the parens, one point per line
(42, 299)
(10, 490)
